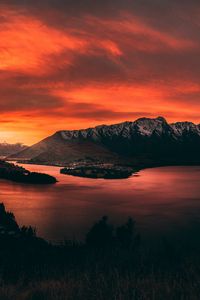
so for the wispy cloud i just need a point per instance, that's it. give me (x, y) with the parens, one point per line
(101, 61)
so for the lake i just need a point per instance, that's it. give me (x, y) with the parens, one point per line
(163, 201)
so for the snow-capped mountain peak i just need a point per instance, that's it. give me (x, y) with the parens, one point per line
(141, 127)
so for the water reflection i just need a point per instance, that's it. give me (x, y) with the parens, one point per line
(161, 200)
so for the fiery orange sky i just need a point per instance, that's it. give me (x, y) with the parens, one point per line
(73, 64)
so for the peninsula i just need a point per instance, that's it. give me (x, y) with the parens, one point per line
(16, 173)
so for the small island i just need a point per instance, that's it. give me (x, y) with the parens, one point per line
(16, 173)
(104, 171)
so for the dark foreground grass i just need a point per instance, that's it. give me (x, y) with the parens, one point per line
(111, 264)
(107, 286)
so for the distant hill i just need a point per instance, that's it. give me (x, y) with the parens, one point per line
(8, 149)
(152, 140)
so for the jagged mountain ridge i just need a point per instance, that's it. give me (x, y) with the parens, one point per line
(145, 136)
(142, 126)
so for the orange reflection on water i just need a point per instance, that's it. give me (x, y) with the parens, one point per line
(159, 199)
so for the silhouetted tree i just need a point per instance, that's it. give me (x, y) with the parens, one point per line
(126, 235)
(7, 220)
(28, 231)
(101, 234)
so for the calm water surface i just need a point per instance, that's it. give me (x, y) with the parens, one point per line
(162, 201)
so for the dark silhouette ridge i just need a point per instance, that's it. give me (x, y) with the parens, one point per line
(102, 234)
(111, 263)
(9, 226)
(7, 221)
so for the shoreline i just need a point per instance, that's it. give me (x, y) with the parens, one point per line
(135, 169)
(16, 173)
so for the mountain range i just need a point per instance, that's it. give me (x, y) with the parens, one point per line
(144, 141)
(8, 149)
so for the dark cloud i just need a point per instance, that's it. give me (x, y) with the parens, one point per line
(99, 114)
(95, 112)
(167, 14)
(90, 68)
(15, 99)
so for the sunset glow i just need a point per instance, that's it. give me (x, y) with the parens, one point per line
(65, 66)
